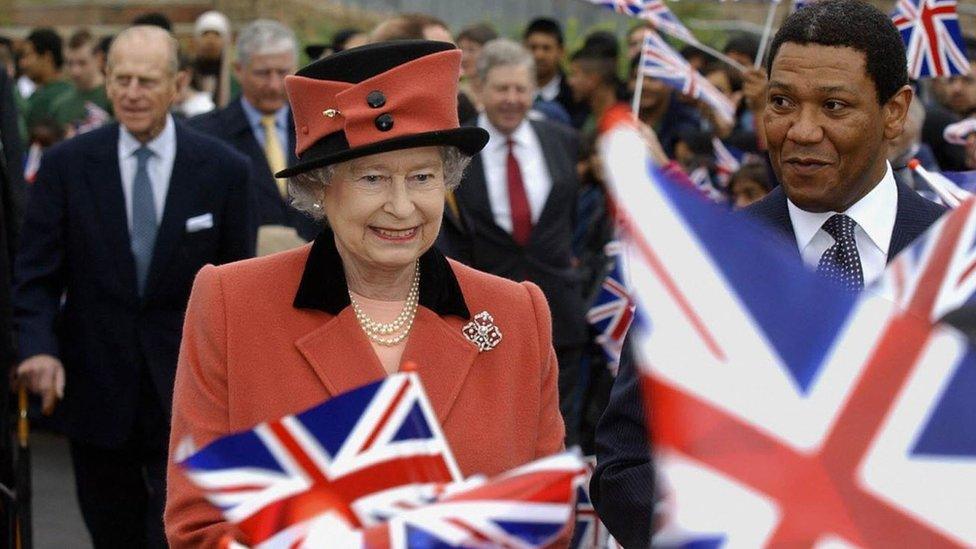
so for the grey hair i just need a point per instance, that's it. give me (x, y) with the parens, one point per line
(265, 36)
(305, 188)
(503, 52)
(146, 35)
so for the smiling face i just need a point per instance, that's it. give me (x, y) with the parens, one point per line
(506, 95)
(825, 129)
(385, 209)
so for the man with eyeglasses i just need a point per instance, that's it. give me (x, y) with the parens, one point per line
(259, 124)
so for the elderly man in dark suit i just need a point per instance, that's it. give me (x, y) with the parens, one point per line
(259, 124)
(119, 222)
(838, 92)
(519, 197)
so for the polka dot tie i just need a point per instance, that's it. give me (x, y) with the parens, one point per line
(841, 262)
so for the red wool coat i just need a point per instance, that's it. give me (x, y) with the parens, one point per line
(249, 355)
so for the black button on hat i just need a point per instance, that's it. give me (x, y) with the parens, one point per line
(384, 122)
(376, 99)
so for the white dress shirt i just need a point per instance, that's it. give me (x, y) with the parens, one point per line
(875, 217)
(551, 89)
(160, 166)
(532, 164)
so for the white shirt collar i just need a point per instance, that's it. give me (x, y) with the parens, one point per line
(874, 213)
(163, 145)
(551, 89)
(522, 134)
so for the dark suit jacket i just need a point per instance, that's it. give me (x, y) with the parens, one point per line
(915, 214)
(578, 111)
(76, 244)
(622, 487)
(547, 260)
(231, 126)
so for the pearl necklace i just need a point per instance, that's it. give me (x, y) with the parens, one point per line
(378, 331)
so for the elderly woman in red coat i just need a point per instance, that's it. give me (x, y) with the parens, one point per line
(380, 147)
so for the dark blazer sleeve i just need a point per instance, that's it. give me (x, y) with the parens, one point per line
(239, 237)
(39, 264)
(622, 487)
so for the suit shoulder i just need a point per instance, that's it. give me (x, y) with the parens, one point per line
(260, 276)
(83, 143)
(768, 206)
(210, 147)
(479, 285)
(559, 131)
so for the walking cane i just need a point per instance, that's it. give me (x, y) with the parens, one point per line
(24, 527)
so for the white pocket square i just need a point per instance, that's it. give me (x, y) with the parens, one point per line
(199, 223)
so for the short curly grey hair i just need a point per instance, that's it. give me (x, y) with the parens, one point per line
(305, 188)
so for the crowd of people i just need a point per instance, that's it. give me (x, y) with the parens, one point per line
(131, 164)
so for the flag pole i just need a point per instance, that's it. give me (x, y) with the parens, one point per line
(767, 30)
(639, 85)
(720, 56)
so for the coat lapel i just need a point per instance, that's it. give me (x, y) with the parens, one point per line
(443, 358)
(105, 183)
(247, 143)
(474, 191)
(180, 198)
(914, 216)
(340, 354)
(556, 176)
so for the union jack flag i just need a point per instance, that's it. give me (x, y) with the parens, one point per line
(784, 412)
(659, 60)
(943, 184)
(938, 271)
(933, 39)
(654, 11)
(613, 310)
(347, 458)
(530, 506)
(727, 161)
(589, 533)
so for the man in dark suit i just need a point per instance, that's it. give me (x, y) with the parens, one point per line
(519, 198)
(119, 222)
(259, 124)
(543, 37)
(838, 91)
(11, 198)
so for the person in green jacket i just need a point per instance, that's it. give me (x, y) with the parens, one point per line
(41, 61)
(86, 106)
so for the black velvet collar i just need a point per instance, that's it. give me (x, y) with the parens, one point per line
(323, 286)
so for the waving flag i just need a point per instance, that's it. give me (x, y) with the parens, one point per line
(937, 273)
(958, 133)
(659, 60)
(613, 310)
(948, 192)
(933, 39)
(785, 413)
(727, 161)
(346, 458)
(530, 506)
(654, 11)
(589, 533)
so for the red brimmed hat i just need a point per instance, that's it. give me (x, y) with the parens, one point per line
(377, 98)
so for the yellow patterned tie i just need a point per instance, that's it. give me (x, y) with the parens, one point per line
(273, 152)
